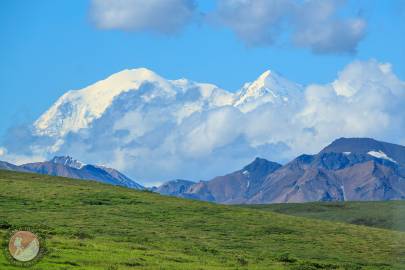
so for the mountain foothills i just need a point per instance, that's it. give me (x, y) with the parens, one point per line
(349, 169)
(68, 167)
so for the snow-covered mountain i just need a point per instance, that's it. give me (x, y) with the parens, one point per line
(78, 109)
(270, 87)
(136, 112)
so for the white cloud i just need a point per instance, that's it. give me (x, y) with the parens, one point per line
(212, 130)
(365, 100)
(312, 24)
(148, 140)
(3, 151)
(318, 27)
(161, 16)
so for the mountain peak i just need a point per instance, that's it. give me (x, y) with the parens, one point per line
(354, 145)
(137, 74)
(268, 87)
(367, 146)
(76, 109)
(261, 80)
(67, 161)
(260, 164)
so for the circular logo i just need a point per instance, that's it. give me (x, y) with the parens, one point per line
(24, 246)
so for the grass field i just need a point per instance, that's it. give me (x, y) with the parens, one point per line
(387, 215)
(90, 225)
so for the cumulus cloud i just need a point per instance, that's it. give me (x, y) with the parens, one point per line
(365, 100)
(151, 141)
(165, 17)
(313, 24)
(316, 26)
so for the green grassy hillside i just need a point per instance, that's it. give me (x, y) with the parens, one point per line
(96, 226)
(387, 215)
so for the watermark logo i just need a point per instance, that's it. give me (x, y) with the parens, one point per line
(24, 247)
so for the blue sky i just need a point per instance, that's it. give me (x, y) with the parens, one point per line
(49, 47)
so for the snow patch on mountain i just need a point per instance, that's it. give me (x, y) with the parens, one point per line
(380, 154)
(68, 161)
(343, 192)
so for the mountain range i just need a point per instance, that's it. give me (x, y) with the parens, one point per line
(154, 128)
(68, 167)
(137, 117)
(349, 169)
(141, 89)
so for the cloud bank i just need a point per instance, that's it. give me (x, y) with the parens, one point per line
(161, 129)
(313, 24)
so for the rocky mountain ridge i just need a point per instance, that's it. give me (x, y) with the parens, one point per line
(349, 169)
